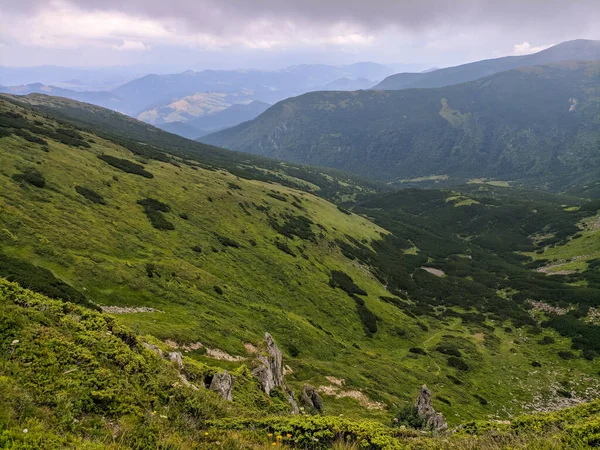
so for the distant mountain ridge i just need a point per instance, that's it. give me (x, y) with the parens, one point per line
(100, 98)
(535, 125)
(580, 49)
(216, 120)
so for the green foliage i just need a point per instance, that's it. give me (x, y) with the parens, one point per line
(343, 281)
(40, 280)
(228, 242)
(417, 351)
(367, 317)
(154, 210)
(408, 416)
(126, 165)
(91, 195)
(32, 176)
(299, 226)
(458, 363)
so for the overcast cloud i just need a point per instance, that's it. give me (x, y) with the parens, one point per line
(269, 33)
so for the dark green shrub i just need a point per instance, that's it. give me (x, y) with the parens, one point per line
(299, 226)
(228, 242)
(449, 350)
(409, 417)
(234, 186)
(563, 393)
(567, 354)
(536, 364)
(92, 196)
(197, 249)
(293, 349)
(151, 271)
(367, 317)
(457, 363)
(32, 177)
(184, 216)
(40, 280)
(218, 290)
(126, 165)
(454, 379)
(480, 399)
(277, 196)
(444, 400)
(284, 247)
(343, 281)
(151, 204)
(154, 211)
(546, 340)
(417, 350)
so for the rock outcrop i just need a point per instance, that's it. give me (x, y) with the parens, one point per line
(433, 420)
(176, 358)
(222, 384)
(270, 372)
(311, 399)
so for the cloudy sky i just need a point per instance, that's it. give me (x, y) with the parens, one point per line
(275, 33)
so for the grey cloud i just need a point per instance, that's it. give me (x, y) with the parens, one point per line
(227, 16)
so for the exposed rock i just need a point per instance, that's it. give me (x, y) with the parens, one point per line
(311, 398)
(270, 372)
(176, 358)
(154, 348)
(222, 384)
(290, 398)
(433, 420)
(270, 369)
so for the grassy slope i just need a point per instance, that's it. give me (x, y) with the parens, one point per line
(104, 250)
(75, 378)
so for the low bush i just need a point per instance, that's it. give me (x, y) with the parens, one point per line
(40, 280)
(228, 242)
(126, 166)
(92, 196)
(458, 363)
(417, 350)
(32, 177)
(343, 281)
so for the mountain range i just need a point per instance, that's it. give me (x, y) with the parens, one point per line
(534, 126)
(580, 49)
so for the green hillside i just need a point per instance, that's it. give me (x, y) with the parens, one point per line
(534, 126)
(74, 378)
(366, 305)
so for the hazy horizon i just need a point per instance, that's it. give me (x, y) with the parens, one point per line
(270, 35)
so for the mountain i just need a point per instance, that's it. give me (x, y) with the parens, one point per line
(581, 49)
(187, 108)
(153, 91)
(228, 117)
(100, 98)
(347, 84)
(533, 126)
(215, 120)
(200, 248)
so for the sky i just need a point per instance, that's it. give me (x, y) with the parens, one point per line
(271, 34)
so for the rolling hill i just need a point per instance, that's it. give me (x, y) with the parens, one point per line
(581, 49)
(533, 126)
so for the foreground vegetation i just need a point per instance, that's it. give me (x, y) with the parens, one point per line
(71, 377)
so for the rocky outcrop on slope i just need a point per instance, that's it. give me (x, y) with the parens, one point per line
(270, 372)
(311, 399)
(433, 420)
(222, 384)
